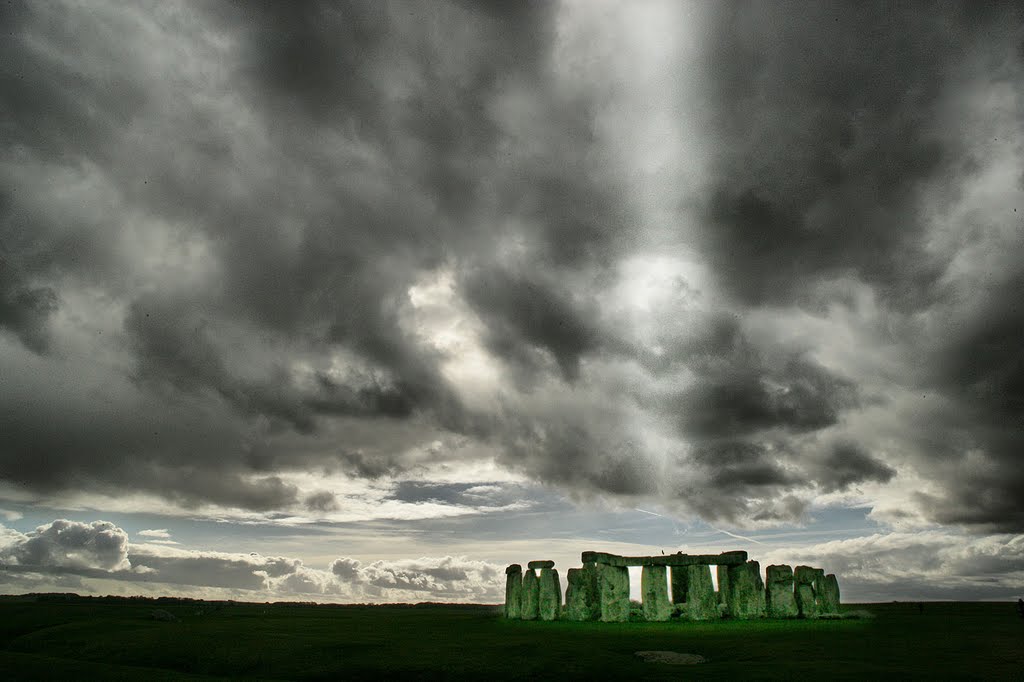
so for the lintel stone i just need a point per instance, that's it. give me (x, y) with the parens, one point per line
(678, 559)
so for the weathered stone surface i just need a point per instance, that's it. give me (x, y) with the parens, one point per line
(678, 559)
(654, 591)
(513, 591)
(803, 577)
(779, 598)
(827, 595)
(541, 564)
(581, 596)
(804, 596)
(701, 600)
(806, 574)
(678, 577)
(531, 596)
(746, 591)
(613, 589)
(549, 595)
(723, 584)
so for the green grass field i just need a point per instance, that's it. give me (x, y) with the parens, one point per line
(89, 640)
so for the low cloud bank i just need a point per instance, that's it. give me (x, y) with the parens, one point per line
(922, 565)
(98, 558)
(72, 550)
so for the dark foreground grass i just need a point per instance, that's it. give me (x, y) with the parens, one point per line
(90, 640)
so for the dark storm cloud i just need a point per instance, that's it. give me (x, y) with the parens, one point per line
(735, 465)
(522, 313)
(740, 482)
(981, 366)
(584, 452)
(172, 342)
(56, 111)
(846, 464)
(828, 123)
(212, 217)
(24, 309)
(838, 140)
(371, 142)
(738, 393)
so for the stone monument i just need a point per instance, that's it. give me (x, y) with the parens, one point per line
(600, 589)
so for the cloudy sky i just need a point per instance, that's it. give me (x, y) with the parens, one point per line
(364, 301)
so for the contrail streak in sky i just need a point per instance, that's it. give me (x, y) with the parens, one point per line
(734, 535)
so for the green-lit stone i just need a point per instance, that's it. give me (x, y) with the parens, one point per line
(531, 596)
(701, 601)
(613, 590)
(581, 597)
(746, 591)
(723, 585)
(827, 595)
(779, 597)
(679, 577)
(549, 595)
(654, 591)
(513, 591)
(804, 577)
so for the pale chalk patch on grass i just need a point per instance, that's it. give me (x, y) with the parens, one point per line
(671, 657)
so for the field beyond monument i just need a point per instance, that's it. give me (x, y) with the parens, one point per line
(79, 638)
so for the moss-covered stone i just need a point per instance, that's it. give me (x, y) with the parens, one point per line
(513, 591)
(746, 591)
(654, 591)
(804, 596)
(549, 595)
(677, 559)
(544, 563)
(723, 587)
(531, 596)
(779, 598)
(826, 594)
(701, 600)
(613, 589)
(581, 597)
(804, 577)
(678, 577)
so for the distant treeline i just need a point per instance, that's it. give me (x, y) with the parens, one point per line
(72, 597)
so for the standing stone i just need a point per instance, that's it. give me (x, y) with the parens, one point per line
(780, 600)
(613, 588)
(549, 595)
(513, 591)
(545, 563)
(654, 591)
(827, 595)
(679, 576)
(723, 585)
(531, 596)
(803, 577)
(746, 591)
(581, 597)
(701, 601)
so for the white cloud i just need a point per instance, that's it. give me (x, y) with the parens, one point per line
(931, 564)
(155, 533)
(68, 544)
(10, 515)
(101, 551)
